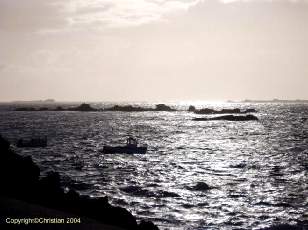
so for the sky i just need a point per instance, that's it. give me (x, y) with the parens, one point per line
(153, 50)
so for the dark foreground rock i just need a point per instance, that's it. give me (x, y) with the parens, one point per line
(228, 118)
(20, 179)
(16, 209)
(201, 186)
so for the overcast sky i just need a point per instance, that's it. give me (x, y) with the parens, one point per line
(108, 50)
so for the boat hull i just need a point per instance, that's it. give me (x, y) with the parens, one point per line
(124, 149)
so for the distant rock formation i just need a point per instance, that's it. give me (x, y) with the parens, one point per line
(83, 107)
(20, 179)
(228, 118)
(26, 109)
(223, 111)
(250, 111)
(163, 107)
(275, 100)
(192, 108)
(130, 108)
(47, 101)
(126, 108)
(201, 186)
(59, 108)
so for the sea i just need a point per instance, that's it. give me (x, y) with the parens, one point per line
(195, 175)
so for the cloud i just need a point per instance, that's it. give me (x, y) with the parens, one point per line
(135, 12)
(202, 48)
(30, 15)
(123, 12)
(58, 15)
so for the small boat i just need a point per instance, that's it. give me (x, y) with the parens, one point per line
(32, 143)
(131, 147)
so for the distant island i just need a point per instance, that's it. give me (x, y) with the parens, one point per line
(84, 107)
(223, 111)
(130, 108)
(273, 101)
(47, 101)
(228, 118)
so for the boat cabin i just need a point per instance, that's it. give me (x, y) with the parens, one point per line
(131, 142)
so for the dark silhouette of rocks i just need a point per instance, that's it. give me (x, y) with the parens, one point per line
(83, 107)
(250, 111)
(275, 100)
(201, 186)
(25, 109)
(17, 173)
(59, 108)
(20, 179)
(163, 107)
(223, 111)
(126, 108)
(87, 108)
(228, 118)
(192, 108)
(147, 225)
(130, 108)
(29, 109)
(138, 191)
(43, 109)
(47, 101)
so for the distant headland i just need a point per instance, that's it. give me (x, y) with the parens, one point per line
(274, 101)
(84, 107)
(46, 101)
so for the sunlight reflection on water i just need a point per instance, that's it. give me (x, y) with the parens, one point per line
(257, 171)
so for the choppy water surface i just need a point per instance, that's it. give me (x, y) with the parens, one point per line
(257, 170)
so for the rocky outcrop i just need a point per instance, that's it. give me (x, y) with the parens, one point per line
(163, 107)
(126, 108)
(223, 111)
(26, 109)
(228, 118)
(87, 108)
(201, 186)
(83, 107)
(130, 108)
(20, 179)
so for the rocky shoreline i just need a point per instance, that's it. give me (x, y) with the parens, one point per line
(20, 180)
(84, 107)
(88, 108)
